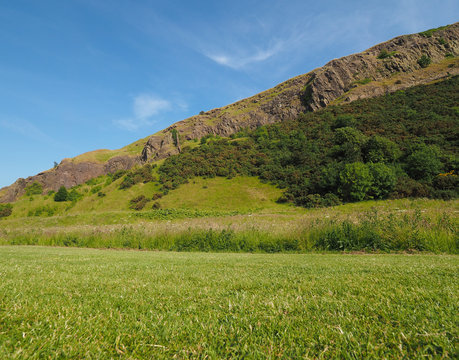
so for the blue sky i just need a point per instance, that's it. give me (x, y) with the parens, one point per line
(80, 75)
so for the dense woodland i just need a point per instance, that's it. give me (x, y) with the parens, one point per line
(399, 145)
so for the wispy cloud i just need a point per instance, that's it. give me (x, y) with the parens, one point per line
(145, 107)
(25, 129)
(245, 56)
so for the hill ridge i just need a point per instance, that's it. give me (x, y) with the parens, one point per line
(386, 67)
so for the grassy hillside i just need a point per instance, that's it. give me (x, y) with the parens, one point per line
(82, 303)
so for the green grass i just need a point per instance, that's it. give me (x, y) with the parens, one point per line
(430, 32)
(384, 226)
(81, 303)
(240, 193)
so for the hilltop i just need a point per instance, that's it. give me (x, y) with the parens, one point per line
(397, 64)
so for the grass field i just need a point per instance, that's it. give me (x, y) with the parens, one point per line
(75, 303)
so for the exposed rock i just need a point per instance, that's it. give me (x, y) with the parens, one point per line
(346, 79)
(68, 174)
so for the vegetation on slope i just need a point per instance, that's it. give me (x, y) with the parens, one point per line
(399, 145)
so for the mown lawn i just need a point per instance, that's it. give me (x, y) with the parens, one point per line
(87, 303)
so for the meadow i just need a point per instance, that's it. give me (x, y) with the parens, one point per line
(89, 303)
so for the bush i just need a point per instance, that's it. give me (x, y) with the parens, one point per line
(383, 180)
(157, 196)
(424, 163)
(5, 210)
(379, 149)
(424, 61)
(74, 195)
(61, 195)
(34, 189)
(356, 181)
(384, 54)
(138, 203)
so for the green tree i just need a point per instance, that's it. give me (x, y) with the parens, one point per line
(61, 195)
(383, 180)
(356, 181)
(349, 144)
(424, 163)
(380, 149)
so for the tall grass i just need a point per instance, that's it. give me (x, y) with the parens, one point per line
(392, 231)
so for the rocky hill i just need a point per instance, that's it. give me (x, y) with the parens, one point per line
(397, 64)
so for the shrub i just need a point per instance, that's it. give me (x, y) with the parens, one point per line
(45, 210)
(355, 181)
(127, 182)
(424, 61)
(344, 121)
(384, 54)
(138, 203)
(5, 210)
(349, 144)
(379, 149)
(61, 195)
(74, 195)
(96, 189)
(383, 180)
(34, 189)
(118, 174)
(175, 136)
(157, 196)
(424, 163)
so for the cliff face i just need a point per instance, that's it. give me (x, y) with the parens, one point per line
(68, 174)
(386, 67)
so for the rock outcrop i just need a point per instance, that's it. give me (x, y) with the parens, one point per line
(68, 174)
(386, 67)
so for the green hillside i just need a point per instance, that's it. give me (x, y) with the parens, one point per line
(257, 190)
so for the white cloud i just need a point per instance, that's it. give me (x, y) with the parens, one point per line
(243, 57)
(145, 107)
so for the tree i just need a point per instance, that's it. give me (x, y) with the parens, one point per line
(356, 181)
(424, 163)
(349, 144)
(383, 180)
(379, 149)
(61, 195)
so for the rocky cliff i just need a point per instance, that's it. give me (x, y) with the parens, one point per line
(397, 64)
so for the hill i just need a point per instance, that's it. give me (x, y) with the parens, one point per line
(395, 65)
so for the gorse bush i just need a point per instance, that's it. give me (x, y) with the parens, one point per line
(424, 61)
(5, 210)
(61, 195)
(142, 174)
(34, 189)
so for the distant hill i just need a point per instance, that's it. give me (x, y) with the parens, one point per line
(395, 65)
